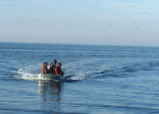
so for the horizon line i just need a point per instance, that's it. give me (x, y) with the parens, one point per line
(88, 44)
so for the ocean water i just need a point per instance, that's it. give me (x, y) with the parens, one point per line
(98, 79)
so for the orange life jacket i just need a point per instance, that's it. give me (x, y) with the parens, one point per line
(56, 70)
(43, 69)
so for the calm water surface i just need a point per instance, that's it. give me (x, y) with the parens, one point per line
(98, 79)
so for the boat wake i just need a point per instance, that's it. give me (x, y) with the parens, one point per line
(74, 70)
(22, 74)
(70, 76)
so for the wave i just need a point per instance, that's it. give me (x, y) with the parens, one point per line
(145, 66)
(127, 108)
(129, 69)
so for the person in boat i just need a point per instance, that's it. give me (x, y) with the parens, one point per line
(58, 70)
(55, 62)
(44, 68)
(51, 68)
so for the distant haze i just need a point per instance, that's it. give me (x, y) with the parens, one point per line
(103, 22)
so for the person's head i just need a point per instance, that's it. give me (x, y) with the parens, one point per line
(55, 61)
(51, 64)
(59, 64)
(45, 63)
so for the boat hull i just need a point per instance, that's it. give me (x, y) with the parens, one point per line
(50, 77)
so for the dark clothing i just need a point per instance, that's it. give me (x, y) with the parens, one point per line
(52, 69)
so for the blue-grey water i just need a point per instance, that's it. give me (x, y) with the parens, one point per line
(98, 79)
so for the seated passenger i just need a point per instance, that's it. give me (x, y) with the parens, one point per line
(44, 68)
(58, 70)
(55, 62)
(51, 68)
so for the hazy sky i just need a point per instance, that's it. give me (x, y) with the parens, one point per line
(108, 22)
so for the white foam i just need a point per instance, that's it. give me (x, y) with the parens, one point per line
(81, 69)
(23, 74)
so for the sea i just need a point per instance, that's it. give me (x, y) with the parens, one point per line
(97, 80)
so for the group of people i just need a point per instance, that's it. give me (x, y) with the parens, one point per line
(52, 68)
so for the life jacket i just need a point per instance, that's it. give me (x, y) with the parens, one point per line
(56, 70)
(43, 69)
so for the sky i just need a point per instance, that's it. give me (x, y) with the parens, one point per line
(99, 22)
